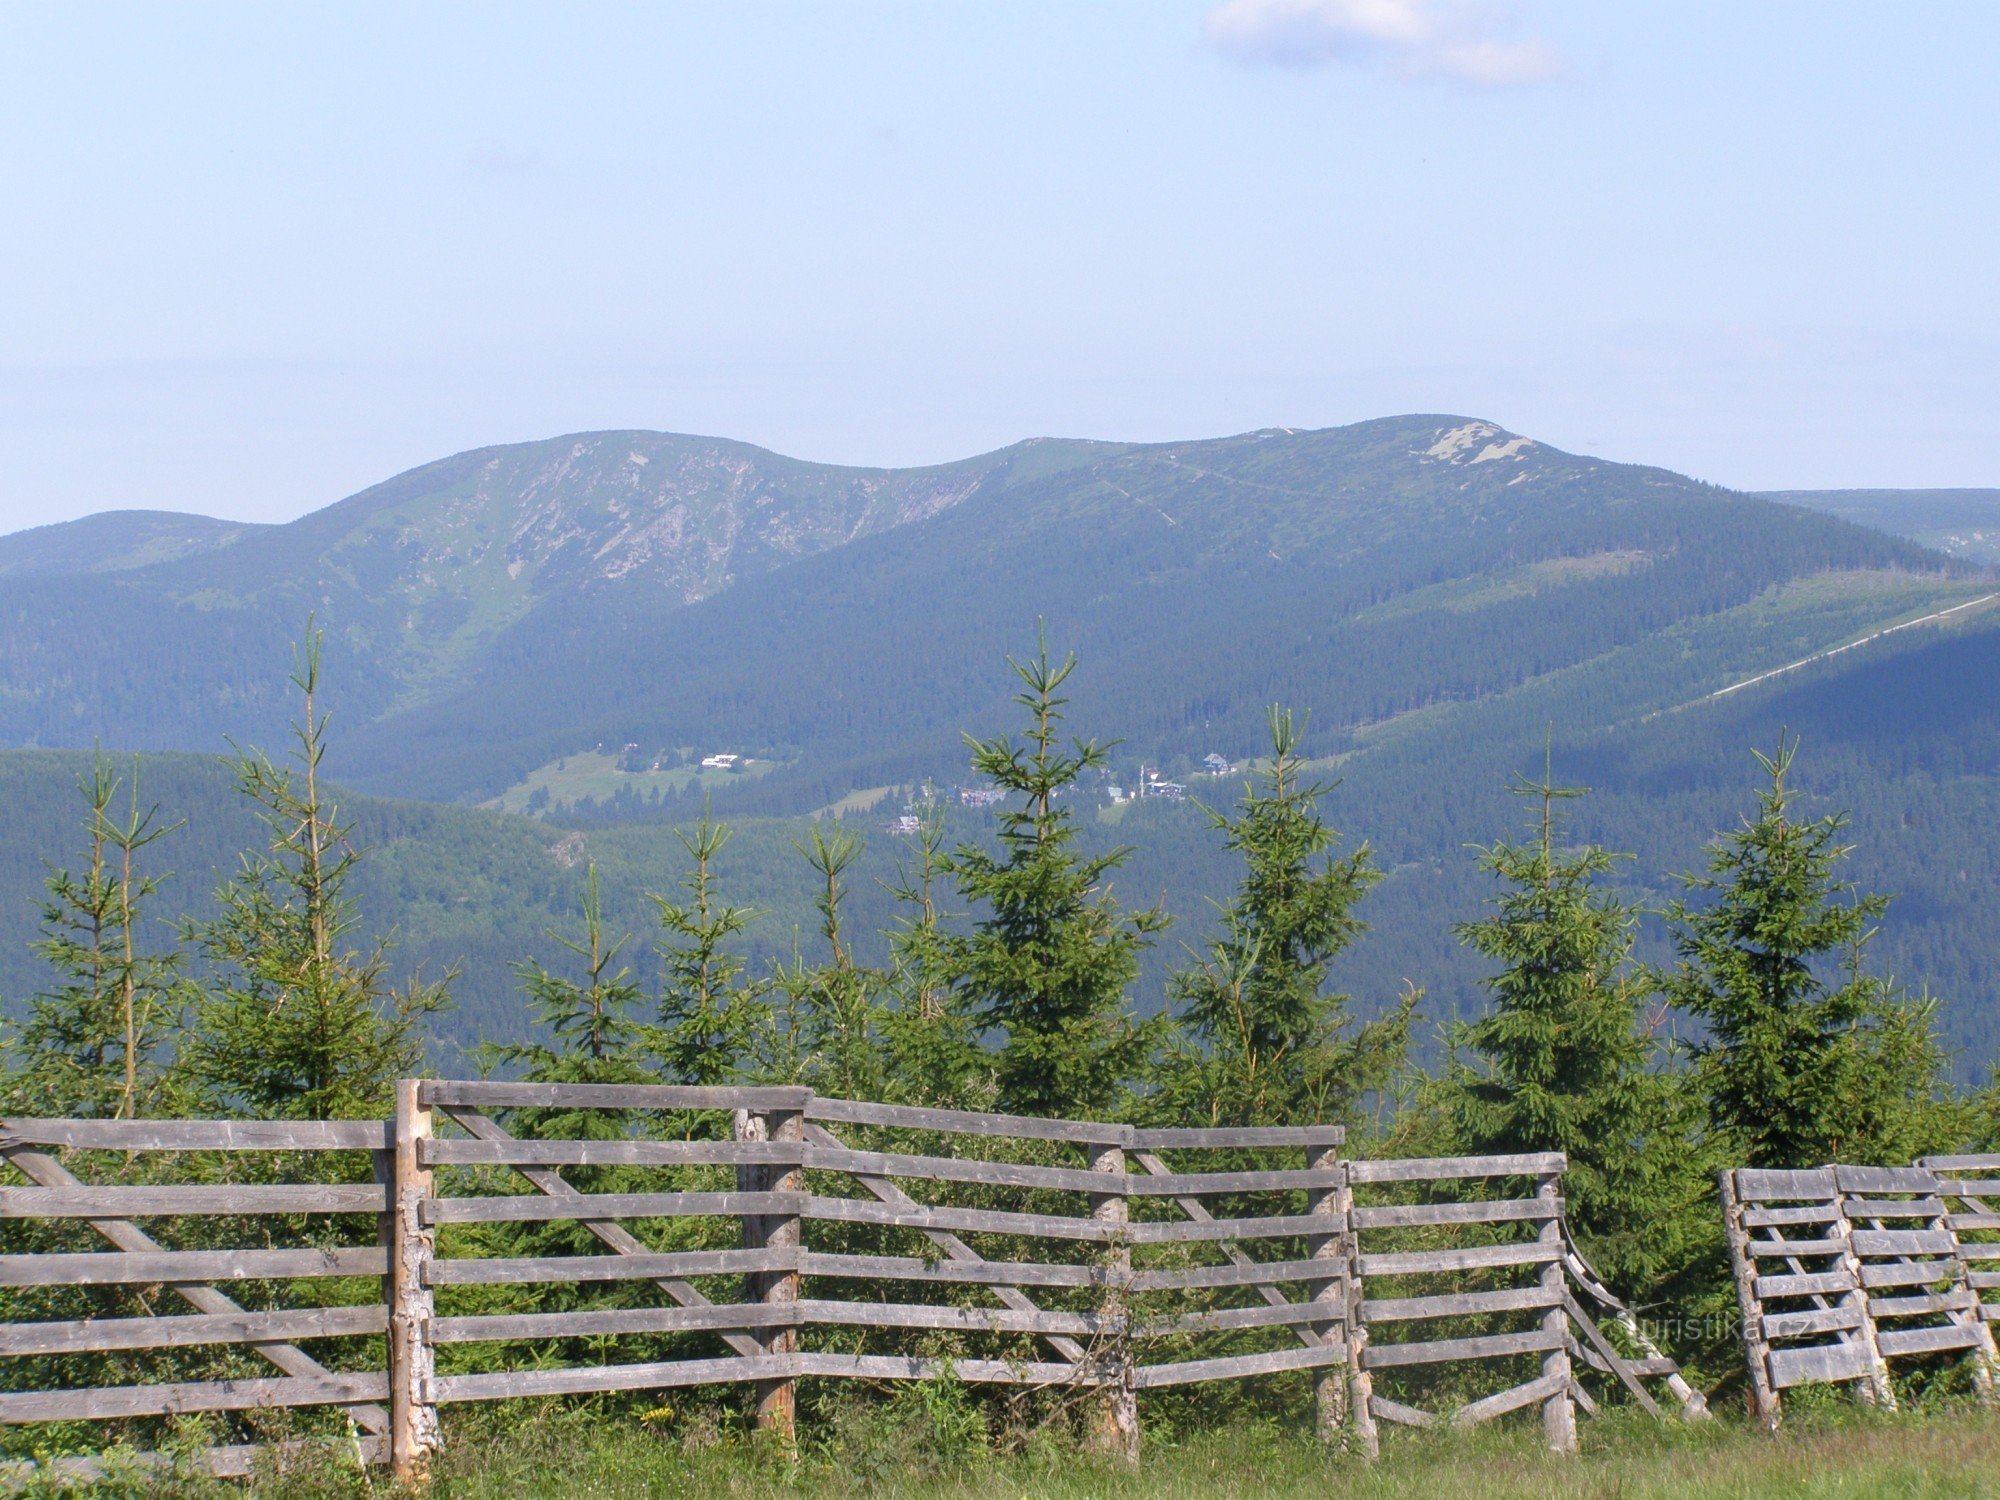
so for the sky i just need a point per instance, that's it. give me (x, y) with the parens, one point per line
(254, 258)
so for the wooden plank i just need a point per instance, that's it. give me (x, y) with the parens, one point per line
(101, 1403)
(1457, 1304)
(1235, 1366)
(971, 1273)
(1609, 1357)
(508, 1152)
(1979, 1252)
(1283, 1314)
(1184, 1138)
(1766, 1184)
(504, 1385)
(1969, 1187)
(1822, 1362)
(1816, 1284)
(1869, 1242)
(487, 1094)
(1194, 1184)
(46, 1171)
(886, 1164)
(92, 1335)
(517, 1270)
(1900, 1341)
(111, 1267)
(540, 1207)
(1894, 1208)
(1818, 1320)
(198, 1135)
(1444, 1168)
(612, 1235)
(1981, 1163)
(1765, 1402)
(1497, 1211)
(1885, 1180)
(1921, 1304)
(1157, 1170)
(1909, 1273)
(1970, 1223)
(1051, 1226)
(1805, 1213)
(1771, 1249)
(607, 1323)
(958, 1319)
(961, 1122)
(182, 1199)
(1983, 1281)
(1499, 1404)
(1269, 1271)
(1406, 1416)
(1472, 1258)
(1450, 1351)
(953, 1247)
(917, 1367)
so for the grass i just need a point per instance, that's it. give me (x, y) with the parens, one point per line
(899, 1451)
(595, 774)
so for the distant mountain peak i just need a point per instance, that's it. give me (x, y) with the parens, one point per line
(1478, 443)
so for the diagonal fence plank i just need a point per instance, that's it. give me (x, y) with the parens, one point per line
(887, 1192)
(46, 1171)
(1195, 1209)
(607, 1231)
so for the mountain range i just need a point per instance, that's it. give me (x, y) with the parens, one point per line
(569, 626)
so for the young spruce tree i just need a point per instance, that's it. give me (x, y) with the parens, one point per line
(299, 1023)
(593, 1033)
(1565, 1060)
(1270, 1044)
(933, 1046)
(1808, 1059)
(711, 1018)
(94, 1044)
(1052, 953)
(832, 1038)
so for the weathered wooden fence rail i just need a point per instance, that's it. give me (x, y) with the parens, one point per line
(1843, 1269)
(499, 1240)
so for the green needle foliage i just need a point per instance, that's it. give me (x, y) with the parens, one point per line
(1565, 1060)
(1052, 954)
(832, 1039)
(1268, 1043)
(710, 1017)
(935, 1057)
(298, 1024)
(94, 1044)
(1808, 1058)
(593, 1031)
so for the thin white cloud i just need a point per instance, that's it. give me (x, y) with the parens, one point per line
(1405, 38)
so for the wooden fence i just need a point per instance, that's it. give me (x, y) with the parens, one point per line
(502, 1240)
(1844, 1270)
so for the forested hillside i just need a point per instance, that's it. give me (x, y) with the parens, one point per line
(1440, 596)
(1904, 733)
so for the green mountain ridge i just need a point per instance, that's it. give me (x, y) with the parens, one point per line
(1440, 594)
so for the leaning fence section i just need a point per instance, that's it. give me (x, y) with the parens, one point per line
(157, 1271)
(1843, 1272)
(496, 1241)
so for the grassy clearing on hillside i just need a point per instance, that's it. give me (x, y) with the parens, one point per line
(595, 774)
(898, 1451)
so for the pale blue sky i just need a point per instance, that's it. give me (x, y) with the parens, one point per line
(257, 257)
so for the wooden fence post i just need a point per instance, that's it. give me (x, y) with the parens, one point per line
(1361, 1383)
(1763, 1395)
(1559, 1408)
(1115, 1414)
(413, 1417)
(1330, 1381)
(777, 1399)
